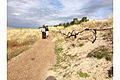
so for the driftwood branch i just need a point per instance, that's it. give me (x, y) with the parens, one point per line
(74, 34)
(102, 29)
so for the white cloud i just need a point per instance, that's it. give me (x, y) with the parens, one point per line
(54, 11)
(53, 22)
(17, 14)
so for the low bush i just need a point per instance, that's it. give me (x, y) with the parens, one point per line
(84, 75)
(101, 52)
(80, 45)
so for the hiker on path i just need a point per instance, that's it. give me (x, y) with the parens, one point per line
(47, 31)
(43, 32)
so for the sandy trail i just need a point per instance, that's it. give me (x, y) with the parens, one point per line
(33, 63)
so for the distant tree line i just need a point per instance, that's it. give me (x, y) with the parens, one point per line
(74, 21)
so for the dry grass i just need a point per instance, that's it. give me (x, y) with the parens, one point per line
(19, 40)
(71, 53)
(106, 35)
(92, 24)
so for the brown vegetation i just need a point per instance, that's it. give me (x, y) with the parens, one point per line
(19, 40)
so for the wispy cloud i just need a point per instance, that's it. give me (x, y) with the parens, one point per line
(31, 13)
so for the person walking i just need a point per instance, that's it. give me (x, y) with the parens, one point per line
(47, 31)
(43, 32)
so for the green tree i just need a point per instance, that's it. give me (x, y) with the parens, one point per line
(55, 25)
(75, 20)
(63, 24)
(60, 24)
(72, 23)
(67, 24)
(84, 19)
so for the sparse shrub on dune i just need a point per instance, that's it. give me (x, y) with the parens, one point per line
(101, 52)
(82, 74)
(80, 45)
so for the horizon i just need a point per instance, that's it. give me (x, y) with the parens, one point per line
(35, 13)
(35, 27)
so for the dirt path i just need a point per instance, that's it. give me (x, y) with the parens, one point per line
(33, 63)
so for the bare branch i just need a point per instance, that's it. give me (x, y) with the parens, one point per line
(74, 34)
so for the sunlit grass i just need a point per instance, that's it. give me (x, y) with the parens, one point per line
(19, 40)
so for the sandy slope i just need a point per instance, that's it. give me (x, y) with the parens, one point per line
(33, 63)
(96, 68)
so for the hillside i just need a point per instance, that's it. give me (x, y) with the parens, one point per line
(78, 58)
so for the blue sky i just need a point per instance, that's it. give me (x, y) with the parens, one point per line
(34, 13)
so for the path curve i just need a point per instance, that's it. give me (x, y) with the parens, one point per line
(33, 63)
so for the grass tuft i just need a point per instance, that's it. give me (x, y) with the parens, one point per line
(84, 75)
(58, 51)
(80, 45)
